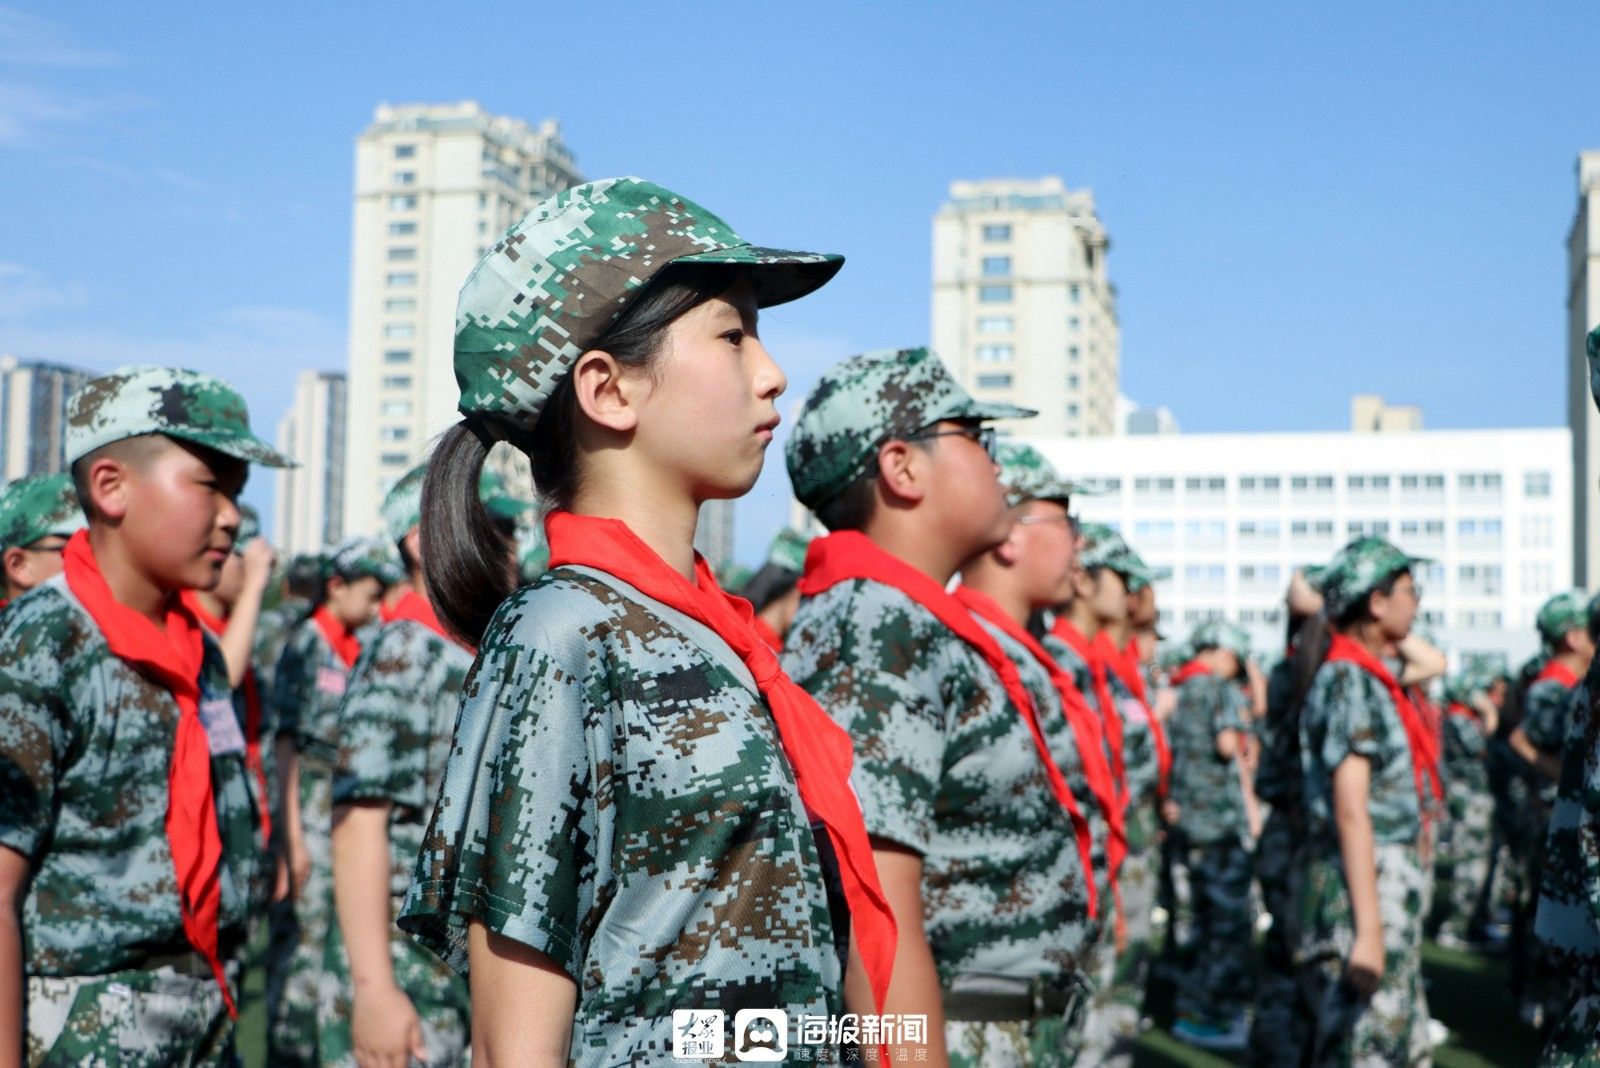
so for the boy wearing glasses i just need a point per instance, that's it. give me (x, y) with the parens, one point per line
(37, 516)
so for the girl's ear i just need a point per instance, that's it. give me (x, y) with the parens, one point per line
(605, 394)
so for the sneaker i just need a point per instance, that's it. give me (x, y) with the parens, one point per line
(1209, 1034)
(1438, 1033)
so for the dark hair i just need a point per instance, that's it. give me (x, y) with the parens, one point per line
(1361, 611)
(853, 506)
(465, 553)
(1316, 635)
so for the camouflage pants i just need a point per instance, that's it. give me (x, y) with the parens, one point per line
(1277, 1031)
(1462, 865)
(300, 928)
(436, 991)
(1392, 1027)
(127, 1018)
(1138, 882)
(1111, 1027)
(1043, 1043)
(1575, 1041)
(1218, 985)
(1116, 1007)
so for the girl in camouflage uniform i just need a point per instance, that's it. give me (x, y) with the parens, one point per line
(644, 828)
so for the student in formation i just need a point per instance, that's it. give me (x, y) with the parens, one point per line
(37, 516)
(961, 794)
(1370, 778)
(128, 835)
(310, 681)
(291, 594)
(384, 997)
(1211, 836)
(641, 815)
(1463, 858)
(772, 589)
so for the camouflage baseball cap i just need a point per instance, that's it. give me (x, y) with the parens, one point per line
(1026, 475)
(1140, 574)
(1566, 611)
(358, 558)
(788, 550)
(557, 280)
(865, 401)
(1103, 547)
(402, 506)
(1357, 569)
(304, 568)
(37, 507)
(1220, 634)
(249, 528)
(181, 404)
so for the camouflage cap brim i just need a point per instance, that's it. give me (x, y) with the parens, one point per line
(973, 408)
(246, 447)
(778, 275)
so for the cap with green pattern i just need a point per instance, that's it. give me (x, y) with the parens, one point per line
(788, 550)
(865, 401)
(558, 279)
(1566, 611)
(147, 399)
(402, 505)
(1027, 476)
(358, 558)
(1141, 574)
(1102, 547)
(1221, 634)
(37, 507)
(1357, 569)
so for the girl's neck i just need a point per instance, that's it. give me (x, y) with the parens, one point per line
(664, 521)
(1081, 615)
(1370, 637)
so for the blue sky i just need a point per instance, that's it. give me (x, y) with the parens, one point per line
(1302, 203)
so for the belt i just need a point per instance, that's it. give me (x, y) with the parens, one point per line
(1028, 1001)
(185, 962)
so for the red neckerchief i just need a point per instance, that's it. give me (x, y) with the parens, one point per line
(1189, 671)
(769, 635)
(252, 714)
(1125, 662)
(1085, 733)
(1555, 669)
(1110, 715)
(171, 656)
(345, 645)
(1456, 708)
(819, 750)
(1424, 743)
(848, 555)
(418, 609)
(389, 613)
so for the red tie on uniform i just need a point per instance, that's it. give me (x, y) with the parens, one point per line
(1555, 669)
(848, 555)
(172, 657)
(1109, 713)
(1086, 734)
(418, 609)
(346, 646)
(819, 750)
(1125, 663)
(1424, 743)
(1189, 671)
(768, 635)
(252, 715)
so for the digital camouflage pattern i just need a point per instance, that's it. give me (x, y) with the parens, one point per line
(1026, 475)
(1565, 611)
(1356, 570)
(1347, 712)
(617, 797)
(131, 1018)
(1102, 547)
(402, 505)
(272, 635)
(1011, 1044)
(249, 528)
(85, 742)
(558, 279)
(395, 728)
(1462, 863)
(37, 507)
(1219, 981)
(1391, 1028)
(359, 558)
(1546, 710)
(1278, 1026)
(945, 765)
(1278, 772)
(147, 399)
(867, 400)
(1206, 786)
(1220, 634)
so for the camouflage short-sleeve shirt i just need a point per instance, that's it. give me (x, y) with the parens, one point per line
(85, 744)
(1568, 922)
(1546, 707)
(1347, 712)
(1139, 757)
(394, 732)
(617, 798)
(1205, 785)
(945, 765)
(1464, 752)
(308, 685)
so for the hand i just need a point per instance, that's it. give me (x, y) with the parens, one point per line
(259, 559)
(280, 878)
(1363, 971)
(1170, 812)
(384, 1027)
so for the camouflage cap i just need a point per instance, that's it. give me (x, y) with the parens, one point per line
(788, 550)
(1026, 475)
(1140, 574)
(249, 528)
(533, 553)
(304, 568)
(557, 280)
(1102, 547)
(147, 399)
(402, 505)
(1221, 634)
(1357, 569)
(358, 558)
(865, 401)
(37, 507)
(1566, 611)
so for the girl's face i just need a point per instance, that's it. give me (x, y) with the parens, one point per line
(1397, 610)
(353, 603)
(712, 410)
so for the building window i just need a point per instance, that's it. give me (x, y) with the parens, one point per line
(1073, 381)
(994, 353)
(402, 229)
(1209, 485)
(1072, 410)
(396, 381)
(1153, 485)
(396, 459)
(1379, 482)
(399, 305)
(399, 332)
(402, 202)
(397, 356)
(402, 255)
(405, 177)
(1073, 322)
(994, 294)
(995, 324)
(395, 433)
(994, 381)
(405, 151)
(996, 266)
(1433, 528)
(1074, 294)
(1536, 483)
(399, 408)
(400, 279)
(1073, 354)
(1433, 482)
(1356, 482)
(997, 232)
(1537, 531)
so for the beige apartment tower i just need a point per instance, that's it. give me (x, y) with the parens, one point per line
(1023, 309)
(309, 514)
(435, 185)
(1583, 314)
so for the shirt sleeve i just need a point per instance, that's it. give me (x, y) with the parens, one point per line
(1350, 707)
(33, 735)
(384, 724)
(1546, 721)
(294, 682)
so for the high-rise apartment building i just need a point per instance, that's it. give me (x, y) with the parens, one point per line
(1023, 309)
(310, 505)
(1583, 314)
(33, 411)
(435, 185)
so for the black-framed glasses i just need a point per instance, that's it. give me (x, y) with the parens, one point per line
(984, 435)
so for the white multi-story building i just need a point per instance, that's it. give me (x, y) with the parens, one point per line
(33, 411)
(435, 185)
(1023, 309)
(1583, 314)
(1232, 515)
(310, 498)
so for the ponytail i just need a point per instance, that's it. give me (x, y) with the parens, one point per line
(465, 553)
